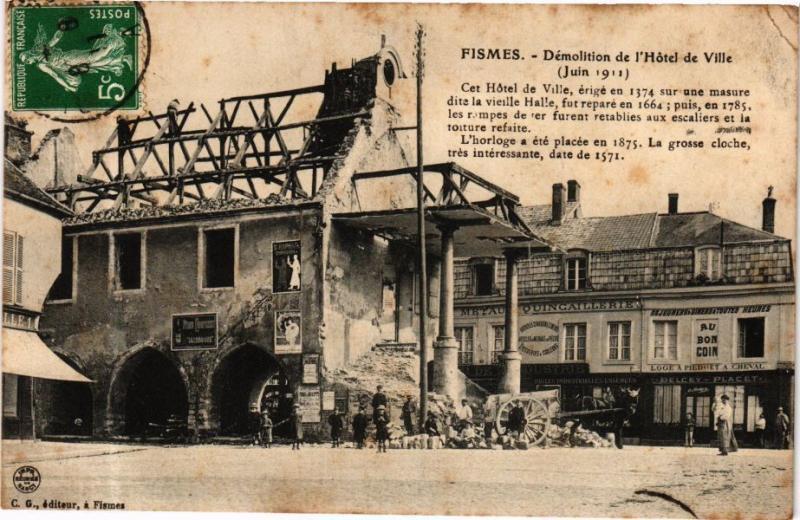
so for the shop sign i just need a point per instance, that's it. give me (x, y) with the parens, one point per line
(701, 311)
(308, 397)
(194, 331)
(535, 369)
(288, 332)
(698, 390)
(553, 307)
(310, 369)
(709, 379)
(708, 367)
(538, 338)
(706, 338)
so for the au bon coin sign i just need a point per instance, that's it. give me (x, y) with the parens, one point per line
(194, 331)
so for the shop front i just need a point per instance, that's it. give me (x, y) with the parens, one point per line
(668, 399)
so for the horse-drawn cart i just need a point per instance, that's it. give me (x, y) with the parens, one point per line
(543, 408)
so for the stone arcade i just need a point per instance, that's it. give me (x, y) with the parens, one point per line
(231, 262)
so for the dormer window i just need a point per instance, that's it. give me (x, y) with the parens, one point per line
(483, 276)
(576, 272)
(708, 262)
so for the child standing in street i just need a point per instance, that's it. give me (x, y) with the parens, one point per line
(382, 428)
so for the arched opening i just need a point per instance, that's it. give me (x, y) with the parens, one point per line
(249, 376)
(149, 395)
(66, 405)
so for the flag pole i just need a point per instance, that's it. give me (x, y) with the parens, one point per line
(421, 261)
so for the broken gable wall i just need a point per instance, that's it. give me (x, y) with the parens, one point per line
(355, 263)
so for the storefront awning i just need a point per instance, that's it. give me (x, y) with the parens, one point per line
(25, 354)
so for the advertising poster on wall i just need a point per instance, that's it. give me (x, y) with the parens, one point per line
(288, 338)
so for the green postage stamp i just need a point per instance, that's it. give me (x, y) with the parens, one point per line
(75, 58)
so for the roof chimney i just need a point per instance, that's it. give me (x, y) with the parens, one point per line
(768, 205)
(573, 191)
(559, 203)
(673, 203)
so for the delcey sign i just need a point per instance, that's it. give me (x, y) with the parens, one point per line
(194, 331)
(706, 338)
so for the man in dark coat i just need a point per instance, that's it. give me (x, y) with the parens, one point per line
(782, 424)
(379, 399)
(516, 420)
(409, 410)
(335, 422)
(360, 427)
(297, 427)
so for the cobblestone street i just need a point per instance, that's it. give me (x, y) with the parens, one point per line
(635, 482)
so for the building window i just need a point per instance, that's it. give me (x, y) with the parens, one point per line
(64, 286)
(10, 395)
(219, 257)
(484, 279)
(751, 338)
(735, 395)
(575, 342)
(466, 345)
(128, 261)
(498, 342)
(575, 273)
(619, 340)
(700, 408)
(12, 267)
(708, 263)
(667, 404)
(666, 340)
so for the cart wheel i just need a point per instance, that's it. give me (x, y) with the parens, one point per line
(536, 414)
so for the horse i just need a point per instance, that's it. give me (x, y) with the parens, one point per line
(614, 411)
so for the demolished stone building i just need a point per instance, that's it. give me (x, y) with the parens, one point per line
(228, 258)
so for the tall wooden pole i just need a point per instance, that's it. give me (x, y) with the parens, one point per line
(422, 270)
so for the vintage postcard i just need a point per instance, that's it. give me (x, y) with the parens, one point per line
(429, 259)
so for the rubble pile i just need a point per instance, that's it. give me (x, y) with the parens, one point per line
(574, 434)
(397, 371)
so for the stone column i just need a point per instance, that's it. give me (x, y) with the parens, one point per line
(445, 348)
(511, 357)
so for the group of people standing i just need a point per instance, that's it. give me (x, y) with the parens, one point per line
(726, 439)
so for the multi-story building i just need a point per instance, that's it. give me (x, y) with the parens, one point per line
(686, 306)
(234, 264)
(31, 255)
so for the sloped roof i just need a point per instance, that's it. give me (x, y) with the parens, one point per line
(599, 233)
(640, 231)
(17, 185)
(704, 228)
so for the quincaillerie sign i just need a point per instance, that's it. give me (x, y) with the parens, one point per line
(533, 308)
(194, 331)
(538, 338)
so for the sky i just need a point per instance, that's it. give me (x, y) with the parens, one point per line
(203, 52)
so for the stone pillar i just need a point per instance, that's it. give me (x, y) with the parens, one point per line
(445, 348)
(511, 357)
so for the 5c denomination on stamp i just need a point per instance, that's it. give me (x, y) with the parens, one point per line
(75, 58)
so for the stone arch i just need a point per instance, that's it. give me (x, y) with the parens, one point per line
(247, 375)
(148, 388)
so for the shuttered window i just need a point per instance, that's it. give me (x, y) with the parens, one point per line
(13, 249)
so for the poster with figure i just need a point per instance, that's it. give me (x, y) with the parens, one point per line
(286, 266)
(288, 332)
